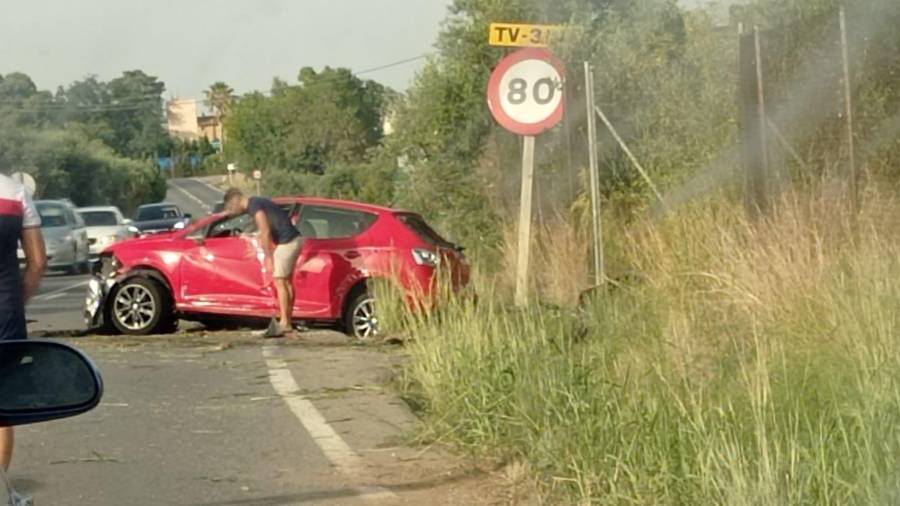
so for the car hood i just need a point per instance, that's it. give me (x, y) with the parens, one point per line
(146, 242)
(104, 231)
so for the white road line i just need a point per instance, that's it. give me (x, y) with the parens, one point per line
(336, 450)
(211, 187)
(193, 197)
(56, 293)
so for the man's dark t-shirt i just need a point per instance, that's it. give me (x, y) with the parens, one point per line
(283, 231)
(17, 212)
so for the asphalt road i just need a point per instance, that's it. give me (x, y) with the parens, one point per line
(210, 419)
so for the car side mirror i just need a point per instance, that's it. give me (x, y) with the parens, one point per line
(45, 380)
(188, 216)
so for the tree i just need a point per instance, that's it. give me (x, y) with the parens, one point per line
(219, 98)
(329, 117)
(136, 114)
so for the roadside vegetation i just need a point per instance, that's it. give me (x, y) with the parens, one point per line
(748, 363)
(93, 142)
(728, 359)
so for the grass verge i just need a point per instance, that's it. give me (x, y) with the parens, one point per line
(748, 364)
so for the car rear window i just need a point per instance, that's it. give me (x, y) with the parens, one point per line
(323, 222)
(422, 229)
(99, 218)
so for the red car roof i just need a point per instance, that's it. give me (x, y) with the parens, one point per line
(372, 208)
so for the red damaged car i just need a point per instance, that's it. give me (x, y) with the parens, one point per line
(212, 271)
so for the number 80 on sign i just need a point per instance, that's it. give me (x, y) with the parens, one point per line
(525, 93)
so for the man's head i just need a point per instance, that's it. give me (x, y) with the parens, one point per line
(235, 202)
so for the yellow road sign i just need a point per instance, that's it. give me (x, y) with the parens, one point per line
(516, 35)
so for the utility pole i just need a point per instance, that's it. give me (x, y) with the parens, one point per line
(848, 111)
(596, 212)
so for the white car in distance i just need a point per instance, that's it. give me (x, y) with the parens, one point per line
(106, 225)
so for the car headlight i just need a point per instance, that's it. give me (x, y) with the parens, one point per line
(108, 266)
(426, 257)
(180, 225)
(107, 240)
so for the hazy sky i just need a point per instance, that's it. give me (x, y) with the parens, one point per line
(189, 44)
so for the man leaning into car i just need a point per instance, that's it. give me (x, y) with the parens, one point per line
(281, 242)
(19, 221)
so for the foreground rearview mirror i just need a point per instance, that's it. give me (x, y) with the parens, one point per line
(45, 380)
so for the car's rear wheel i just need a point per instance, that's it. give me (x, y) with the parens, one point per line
(141, 306)
(360, 318)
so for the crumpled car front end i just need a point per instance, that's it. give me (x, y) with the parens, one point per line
(104, 276)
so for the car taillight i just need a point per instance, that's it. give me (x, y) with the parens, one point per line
(426, 257)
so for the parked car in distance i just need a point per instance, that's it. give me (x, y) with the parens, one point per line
(160, 217)
(106, 225)
(65, 236)
(42, 381)
(214, 269)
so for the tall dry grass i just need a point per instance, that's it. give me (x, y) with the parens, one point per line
(747, 364)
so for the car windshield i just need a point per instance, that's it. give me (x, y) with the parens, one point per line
(99, 218)
(52, 215)
(157, 213)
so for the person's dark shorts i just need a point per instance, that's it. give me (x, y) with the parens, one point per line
(12, 324)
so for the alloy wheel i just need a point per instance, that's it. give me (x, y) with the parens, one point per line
(365, 321)
(134, 307)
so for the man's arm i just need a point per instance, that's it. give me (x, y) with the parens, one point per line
(35, 260)
(265, 232)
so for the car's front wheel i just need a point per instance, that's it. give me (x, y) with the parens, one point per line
(141, 306)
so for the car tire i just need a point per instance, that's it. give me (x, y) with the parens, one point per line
(360, 319)
(141, 306)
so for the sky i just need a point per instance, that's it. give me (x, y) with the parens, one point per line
(189, 44)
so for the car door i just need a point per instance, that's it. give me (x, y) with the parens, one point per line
(331, 259)
(223, 271)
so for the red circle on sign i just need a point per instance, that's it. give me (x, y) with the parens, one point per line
(496, 105)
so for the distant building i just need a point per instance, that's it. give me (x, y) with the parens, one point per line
(181, 116)
(184, 123)
(211, 128)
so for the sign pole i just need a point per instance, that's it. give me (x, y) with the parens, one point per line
(848, 111)
(525, 204)
(596, 215)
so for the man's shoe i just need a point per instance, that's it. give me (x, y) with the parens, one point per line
(17, 499)
(273, 331)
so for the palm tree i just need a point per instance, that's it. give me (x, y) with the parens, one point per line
(219, 98)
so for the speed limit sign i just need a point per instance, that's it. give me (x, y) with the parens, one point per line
(525, 93)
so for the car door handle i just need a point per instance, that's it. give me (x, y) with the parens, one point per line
(351, 255)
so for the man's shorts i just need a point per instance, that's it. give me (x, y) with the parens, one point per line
(12, 324)
(285, 258)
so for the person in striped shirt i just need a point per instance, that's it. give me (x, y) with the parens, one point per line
(19, 222)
